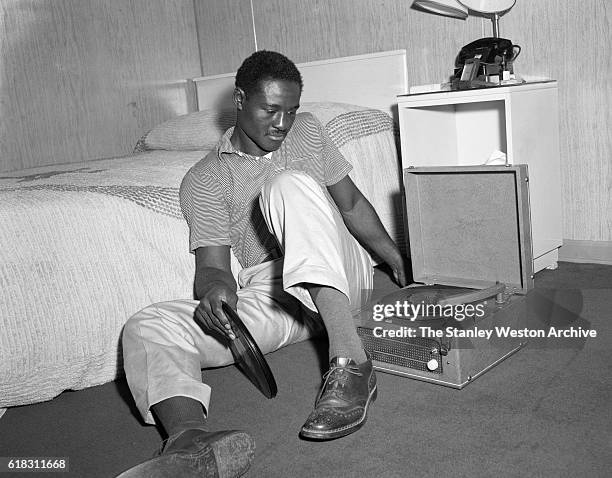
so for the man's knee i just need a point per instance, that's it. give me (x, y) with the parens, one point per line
(134, 325)
(157, 320)
(287, 182)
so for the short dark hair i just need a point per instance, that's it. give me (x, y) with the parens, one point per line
(266, 65)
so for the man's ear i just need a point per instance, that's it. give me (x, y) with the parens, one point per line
(239, 97)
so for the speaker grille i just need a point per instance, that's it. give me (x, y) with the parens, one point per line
(412, 353)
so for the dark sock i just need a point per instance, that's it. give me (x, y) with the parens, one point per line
(177, 414)
(335, 312)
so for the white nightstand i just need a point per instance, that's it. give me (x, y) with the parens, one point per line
(446, 128)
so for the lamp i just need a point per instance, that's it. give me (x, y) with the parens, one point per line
(486, 61)
(459, 9)
(449, 8)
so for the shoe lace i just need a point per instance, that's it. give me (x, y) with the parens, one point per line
(336, 377)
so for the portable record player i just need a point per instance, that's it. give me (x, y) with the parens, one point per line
(470, 246)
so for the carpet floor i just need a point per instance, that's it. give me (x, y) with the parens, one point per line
(544, 411)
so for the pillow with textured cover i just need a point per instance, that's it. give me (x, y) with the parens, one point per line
(194, 131)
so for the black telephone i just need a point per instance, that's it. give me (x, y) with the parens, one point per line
(484, 58)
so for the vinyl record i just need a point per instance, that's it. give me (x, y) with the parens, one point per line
(248, 357)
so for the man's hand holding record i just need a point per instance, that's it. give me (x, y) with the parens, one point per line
(209, 313)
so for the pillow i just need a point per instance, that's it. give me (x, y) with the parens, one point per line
(326, 111)
(194, 131)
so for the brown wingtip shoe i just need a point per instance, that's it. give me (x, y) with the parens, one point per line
(342, 405)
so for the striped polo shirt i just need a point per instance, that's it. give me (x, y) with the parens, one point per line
(220, 194)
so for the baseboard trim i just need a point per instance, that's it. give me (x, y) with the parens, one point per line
(596, 252)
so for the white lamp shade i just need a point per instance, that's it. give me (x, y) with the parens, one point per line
(450, 8)
(489, 6)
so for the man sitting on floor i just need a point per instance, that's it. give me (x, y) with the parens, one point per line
(276, 193)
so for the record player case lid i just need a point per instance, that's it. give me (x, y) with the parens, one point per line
(469, 226)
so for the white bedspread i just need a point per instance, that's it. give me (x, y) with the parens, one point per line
(82, 247)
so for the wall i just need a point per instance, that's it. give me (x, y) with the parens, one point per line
(585, 101)
(559, 39)
(84, 79)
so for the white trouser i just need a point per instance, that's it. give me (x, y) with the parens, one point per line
(164, 349)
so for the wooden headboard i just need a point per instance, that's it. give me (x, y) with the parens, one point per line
(373, 80)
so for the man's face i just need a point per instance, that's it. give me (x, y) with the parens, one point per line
(265, 117)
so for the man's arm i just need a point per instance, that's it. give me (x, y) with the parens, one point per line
(214, 283)
(364, 224)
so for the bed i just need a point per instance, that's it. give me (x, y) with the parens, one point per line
(83, 246)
